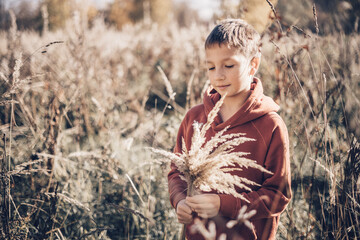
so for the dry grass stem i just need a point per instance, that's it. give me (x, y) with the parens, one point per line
(188, 90)
(168, 86)
(135, 189)
(68, 200)
(316, 19)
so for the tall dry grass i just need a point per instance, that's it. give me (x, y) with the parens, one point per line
(77, 115)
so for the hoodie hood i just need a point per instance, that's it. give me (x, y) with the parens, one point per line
(254, 107)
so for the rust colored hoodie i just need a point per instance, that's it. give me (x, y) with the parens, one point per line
(257, 118)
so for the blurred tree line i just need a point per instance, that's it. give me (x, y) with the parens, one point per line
(334, 15)
(117, 13)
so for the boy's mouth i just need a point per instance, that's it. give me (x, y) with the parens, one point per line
(222, 87)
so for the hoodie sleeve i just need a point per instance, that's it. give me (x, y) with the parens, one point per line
(177, 186)
(275, 193)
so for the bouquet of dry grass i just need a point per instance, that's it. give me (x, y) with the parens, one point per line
(208, 166)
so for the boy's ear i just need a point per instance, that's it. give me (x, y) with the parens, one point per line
(254, 64)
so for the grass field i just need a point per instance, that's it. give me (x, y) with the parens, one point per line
(79, 106)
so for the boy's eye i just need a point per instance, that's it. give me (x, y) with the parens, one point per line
(211, 68)
(229, 66)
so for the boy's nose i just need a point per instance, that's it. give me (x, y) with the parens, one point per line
(219, 75)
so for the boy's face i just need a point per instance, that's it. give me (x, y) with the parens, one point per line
(229, 71)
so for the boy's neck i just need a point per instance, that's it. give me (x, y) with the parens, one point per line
(232, 105)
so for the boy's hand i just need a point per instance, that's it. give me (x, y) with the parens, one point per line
(205, 205)
(183, 212)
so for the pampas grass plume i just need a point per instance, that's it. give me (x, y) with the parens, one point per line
(207, 166)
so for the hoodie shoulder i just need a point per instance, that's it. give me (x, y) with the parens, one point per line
(275, 119)
(196, 113)
(267, 125)
(270, 120)
(196, 109)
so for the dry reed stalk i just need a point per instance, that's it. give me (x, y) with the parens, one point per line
(85, 236)
(26, 168)
(167, 99)
(315, 19)
(302, 31)
(5, 203)
(43, 49)
(13, 27)
(16, 73)
(188, 90)
(67, 199)
(3, 77)
(275, 14)
(206, 87)
(130, 211)
(135, 189)
(45, 17)
(168, 86)
(14, 82)
(293, 72)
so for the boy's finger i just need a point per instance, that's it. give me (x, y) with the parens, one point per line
(197, 198)
(192, 205)
(189, 199)
(193, 200)
(184, 218)
(183, 206)
(184, 221)
(203, 215)
(195, 204)
(196, 208)
(186, 209)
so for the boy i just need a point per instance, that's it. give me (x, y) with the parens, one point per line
(233, 57)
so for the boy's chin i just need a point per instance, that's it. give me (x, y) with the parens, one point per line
(223, 93)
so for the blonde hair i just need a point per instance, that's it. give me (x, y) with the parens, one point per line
(236, 33)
